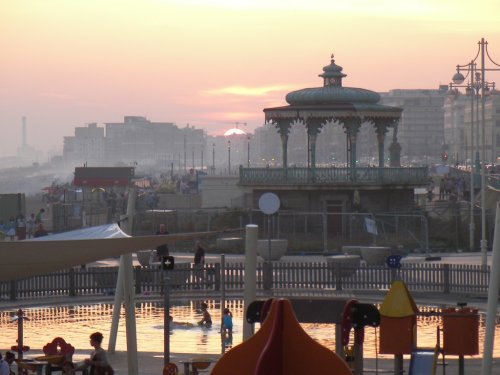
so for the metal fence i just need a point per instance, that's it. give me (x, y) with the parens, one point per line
(329, 231)
(308, 277)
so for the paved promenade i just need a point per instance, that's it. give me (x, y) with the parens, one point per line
(151, 363)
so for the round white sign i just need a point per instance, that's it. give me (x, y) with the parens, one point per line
(269, 203)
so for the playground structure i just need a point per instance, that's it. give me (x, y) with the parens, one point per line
(281, 339)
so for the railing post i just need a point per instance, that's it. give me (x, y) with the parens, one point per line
(338, 276)
(72, 289)
(394, 273)
(267, 275)
(137, 271)
(217, 275)
(325, 232)
(13, 290)
(446, 278)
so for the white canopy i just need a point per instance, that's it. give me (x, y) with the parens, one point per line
(38, 256)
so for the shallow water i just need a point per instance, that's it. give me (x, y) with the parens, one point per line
(76, 322)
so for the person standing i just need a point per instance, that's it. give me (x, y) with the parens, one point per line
(162, 250)
(20, 227)
(39, 216)
(11, 231)
(30, 225)
(227, 321)
(199, 261)
(6, 363)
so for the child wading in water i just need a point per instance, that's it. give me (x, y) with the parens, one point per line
(227, 321)
(207, 319)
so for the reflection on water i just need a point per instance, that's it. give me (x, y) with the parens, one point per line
(76, 323)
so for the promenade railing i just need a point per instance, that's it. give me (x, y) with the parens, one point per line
(280, 277)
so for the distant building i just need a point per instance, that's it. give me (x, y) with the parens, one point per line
(267, 146)
(455, 137)
(136, 141)
(421, 127)
(86, 146)
(458, 133)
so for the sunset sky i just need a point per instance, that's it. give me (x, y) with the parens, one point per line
(212, 63)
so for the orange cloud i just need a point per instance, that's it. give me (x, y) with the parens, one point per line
(246, 91)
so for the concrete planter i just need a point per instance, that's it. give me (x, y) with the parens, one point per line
(278, 248)
(351, 250)
(230, 245)
(349, 264)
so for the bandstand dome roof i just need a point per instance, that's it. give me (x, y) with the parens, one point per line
(332, 91)
(332, 100)
(331, 95)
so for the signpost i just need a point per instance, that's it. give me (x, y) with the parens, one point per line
(269, 203)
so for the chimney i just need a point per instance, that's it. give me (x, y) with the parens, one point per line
(24, 132)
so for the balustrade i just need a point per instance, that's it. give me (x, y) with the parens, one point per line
(333, 176)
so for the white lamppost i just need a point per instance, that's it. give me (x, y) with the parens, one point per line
(458, 79)
(482, 87)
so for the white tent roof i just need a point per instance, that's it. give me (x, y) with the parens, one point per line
(90, 233)
(39, 256)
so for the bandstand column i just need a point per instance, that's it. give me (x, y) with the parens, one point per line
(284, 149)
(313, 129)
(352, 141)
(351, 126)
(283, 127)
(380, 130)
(395, 149)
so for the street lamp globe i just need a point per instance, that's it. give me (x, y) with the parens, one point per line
(458, 78)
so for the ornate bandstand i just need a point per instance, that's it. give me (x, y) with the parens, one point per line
(315, 188)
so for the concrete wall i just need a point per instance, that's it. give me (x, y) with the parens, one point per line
(374, 200)
(177, 201)
(222, 191)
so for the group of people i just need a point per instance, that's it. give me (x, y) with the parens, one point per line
(21, 228)
(450, 188)
(163, 253)
(97, 363)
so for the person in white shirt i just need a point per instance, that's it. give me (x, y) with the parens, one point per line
(30, 226)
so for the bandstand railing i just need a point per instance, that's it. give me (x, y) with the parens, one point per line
(333, 176)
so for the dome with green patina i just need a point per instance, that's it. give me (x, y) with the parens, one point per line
(332, 91)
